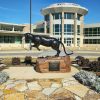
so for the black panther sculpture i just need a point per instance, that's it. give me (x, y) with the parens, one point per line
(45, 41)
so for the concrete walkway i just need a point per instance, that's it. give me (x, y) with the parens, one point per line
(29, 73)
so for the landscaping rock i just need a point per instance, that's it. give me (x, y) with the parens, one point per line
(3, 77)
(21, 87)
(20, 81)
(9, 86)
(45, 83)
(9, 91)
(34, 86)
(9, 82)
(2, 87)
(1, 93)
(62, 94)
(35, 95)
(92, 95)
(77, 98)
(89, 79)
(78, 89)
(48, 91)
(14, 96)
(69, 81)
(56, 85)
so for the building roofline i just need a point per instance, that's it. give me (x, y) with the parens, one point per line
(92, 25)
(12, 24)
(66, 7)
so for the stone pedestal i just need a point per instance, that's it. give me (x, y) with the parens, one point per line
(53, 64)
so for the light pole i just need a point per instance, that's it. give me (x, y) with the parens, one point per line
(30, 21)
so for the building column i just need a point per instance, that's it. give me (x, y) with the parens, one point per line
(81, 31)
(23, 41)
(62, 26)
(51, 24)
(75, 30)
(0, 27)
(45, 27)
(13, 28)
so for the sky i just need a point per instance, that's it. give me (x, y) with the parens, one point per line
(18, 11)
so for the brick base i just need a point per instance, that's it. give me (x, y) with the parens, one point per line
(43, 64)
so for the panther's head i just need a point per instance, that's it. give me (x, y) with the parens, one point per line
(28, 35)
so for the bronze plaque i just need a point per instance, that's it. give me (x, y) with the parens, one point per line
(54, 66)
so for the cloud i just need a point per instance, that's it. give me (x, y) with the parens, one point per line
(7, 9)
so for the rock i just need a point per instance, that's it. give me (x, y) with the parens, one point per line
(48, 91)
(35, 95)
(78, 98)
(1, 93)
(69, 81)
(9, 82)
(61, 94)
(2, 66)
(21, 87)
(92, 95)
(89, 79)
(9, 91)
(9, 86)
(20, 81)
(2, 87)
(45, 83)
(78, 89)
(3, 77)
(14, 96)
(56, 85)
(34, 86)
(97, 85)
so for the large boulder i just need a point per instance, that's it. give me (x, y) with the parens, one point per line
(3, 77)
(89, 79)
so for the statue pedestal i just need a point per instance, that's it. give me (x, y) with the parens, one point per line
(53, 64)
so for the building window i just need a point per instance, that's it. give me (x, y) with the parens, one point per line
(57, 16)
(18, 39)
(68, 41)
(46, 17)
(68, 15)
(11, 39)
(78, 41)
(78, 16)
(91, 41)
(57, 29)
(78, 29)
(68, 29)
(92, 31)
(7, 39)
(1, 39)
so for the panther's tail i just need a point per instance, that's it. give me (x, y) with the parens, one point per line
(65, 49)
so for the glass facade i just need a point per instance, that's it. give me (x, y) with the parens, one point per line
(11, 28)
(46, 17)
(78, 29)
(57, 16)
(68, 15)
(11, 39)
(92, 31)
(91, 41)
(78, 16)
(68, 29)
(78, 41)
(68, 41)
(56, 29)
